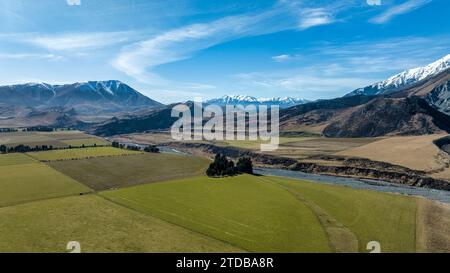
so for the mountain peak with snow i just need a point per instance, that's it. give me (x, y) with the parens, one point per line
(89, 97)
(405, 78)
(283, 102)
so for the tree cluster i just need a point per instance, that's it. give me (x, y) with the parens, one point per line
(40, 129)
(24, 149)
(222, 166)
(148, 149)
(8, 130)
(151, 149)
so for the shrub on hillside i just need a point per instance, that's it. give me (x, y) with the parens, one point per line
(151, 149)
(221, 166)
(244, 165)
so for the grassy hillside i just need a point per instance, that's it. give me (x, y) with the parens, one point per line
(414, 152)
(121, 171)
(86, 142)
(28, 182)
(99, 226)
(14, 159)
(242, 210)
(372, 216)
(277, 214)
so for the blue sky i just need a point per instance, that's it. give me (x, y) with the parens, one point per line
(173, 50)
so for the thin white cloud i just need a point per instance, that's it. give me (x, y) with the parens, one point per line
(30, 56)
(281, 58)
(315, 17)
(334, 70)
(302, 83)
(387, 55)
(73, 2)
(76, 41)
(181, 43)
(285, 58)
(138, 59)
(403, 8)
(374, 2)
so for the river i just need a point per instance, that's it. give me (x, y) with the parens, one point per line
(366, 184)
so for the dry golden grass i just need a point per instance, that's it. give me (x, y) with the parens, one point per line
(433, 226)
(445, 174)
(414, 152)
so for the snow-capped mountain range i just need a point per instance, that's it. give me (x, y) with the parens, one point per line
(109, 95)
(405, 78)
(283, 102)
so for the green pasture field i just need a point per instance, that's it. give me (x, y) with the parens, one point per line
(80, 153)
(27, 182)
(15, 159)
(389, 219)
(98, 225)
(120, 171)
(242, 210)
(86, 142)
(273, 214)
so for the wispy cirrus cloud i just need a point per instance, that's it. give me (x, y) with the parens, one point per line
(75, 41)
(174, 45)
(403, 8)
(305, 83)
(285, 58)
(332, 70)
(315, 17)
(70, 41)
(182, 43)
(73, 2)
(29, 56)
(373, 2)
(281, 58)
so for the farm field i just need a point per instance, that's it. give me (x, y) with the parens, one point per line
(20, 138)
(57, 139)
(298, 147)
(414, 152)
(80, 153)
(121, 171)
(256, 216)
(371, 216)
(14, 159)
(34, 181)
(245, 211)
(305, 147)
(433, 220)
(158, 202)
(86, 142)
(255, 145)
(99, 226)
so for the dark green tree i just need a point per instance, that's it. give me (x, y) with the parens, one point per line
(151, 149)
(244, 165)
(221, 166)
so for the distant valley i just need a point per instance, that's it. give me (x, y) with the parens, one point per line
(414, 102)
